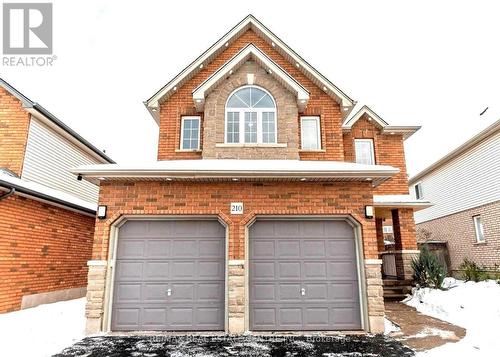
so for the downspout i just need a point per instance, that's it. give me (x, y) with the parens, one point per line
(10, 193)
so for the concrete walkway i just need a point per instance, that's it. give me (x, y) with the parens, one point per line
(418, 331)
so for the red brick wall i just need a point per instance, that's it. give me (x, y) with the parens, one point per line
(184, 198)
(389, 150)
(14, 125)
(42, 248)
(181, 103)
(404, 229)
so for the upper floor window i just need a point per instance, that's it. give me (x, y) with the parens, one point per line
(478, 226)
(364, 151)
(190, 133)
(310, 133)
(419, 193)
(251, 117)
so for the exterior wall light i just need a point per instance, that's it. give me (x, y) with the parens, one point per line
(101, 211)
(369, 211)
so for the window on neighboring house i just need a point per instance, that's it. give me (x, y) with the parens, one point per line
(310, 133)
(250, 117)
(478, 226)
(419, 193)
(364, 151)
(190, 133)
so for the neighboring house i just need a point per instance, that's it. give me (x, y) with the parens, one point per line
(264, 210)
(464, 188)
(47, 217)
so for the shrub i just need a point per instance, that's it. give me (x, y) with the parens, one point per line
(428, 271)
(472, 271)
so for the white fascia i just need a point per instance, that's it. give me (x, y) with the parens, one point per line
(250, 51)
(406, 131)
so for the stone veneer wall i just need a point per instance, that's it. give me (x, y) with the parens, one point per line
(374, 295)
(286, 114)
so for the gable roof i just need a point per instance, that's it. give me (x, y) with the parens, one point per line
(367, 112)
(250, 51)
(40, 112)
(476, 139)
(249, 22)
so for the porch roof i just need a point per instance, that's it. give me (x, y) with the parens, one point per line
(400, 201)
(235, 170)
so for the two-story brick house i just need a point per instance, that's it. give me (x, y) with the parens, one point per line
(264, 210)
(46, 216)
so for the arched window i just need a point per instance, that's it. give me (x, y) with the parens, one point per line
(250, 116)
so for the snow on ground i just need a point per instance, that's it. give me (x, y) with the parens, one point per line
(43, 330)
(473, 306)
(390, 327)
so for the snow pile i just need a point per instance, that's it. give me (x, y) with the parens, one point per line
(473, 306)
(43, 330)
(390, 327)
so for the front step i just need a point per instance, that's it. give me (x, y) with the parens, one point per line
(396, 289)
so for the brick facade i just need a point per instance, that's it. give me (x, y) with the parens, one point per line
(14, 125)
(278, 198)
(458, 231)
(43, 248)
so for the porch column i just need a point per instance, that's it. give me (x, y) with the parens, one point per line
(380, 234)
(405, 241)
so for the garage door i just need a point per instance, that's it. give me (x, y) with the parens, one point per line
(303, 276)
(169, 276)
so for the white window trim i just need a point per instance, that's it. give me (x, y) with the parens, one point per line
(259, 112)
(197, 117)
(387, 229)
(318, 132)
(478, 221)
(421, 190)
(372, 151)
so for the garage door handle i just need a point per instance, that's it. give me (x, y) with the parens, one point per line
(169, 292)
(302, 291)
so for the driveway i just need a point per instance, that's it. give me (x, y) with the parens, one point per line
(205, 346)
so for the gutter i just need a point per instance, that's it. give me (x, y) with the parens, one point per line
(23, 190)
(10, 193)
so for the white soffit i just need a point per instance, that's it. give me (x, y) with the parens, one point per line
(253, 52)
(400, 201)
(406, 131)
(247, 23)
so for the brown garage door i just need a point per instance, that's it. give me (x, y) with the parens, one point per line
(303, 276)
(169, 276)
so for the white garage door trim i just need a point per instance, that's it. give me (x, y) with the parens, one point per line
(112, 250)
(359, 256)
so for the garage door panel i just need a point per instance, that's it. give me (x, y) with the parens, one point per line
(128, 292)
(314, 248)
(315, 270)
(210, 269)
(128, 270)
(290, 317)
(186, 257)
(344, 291)
(262, 270)
(342, 271)
(211, 248)
(317, 256)
(156, 270)
(263, 292)
(288, 270)
(158, 248)
(263, 249)
(316, 292)
(288, 249)
(154, 292)
(289, 292)
(131, 248)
